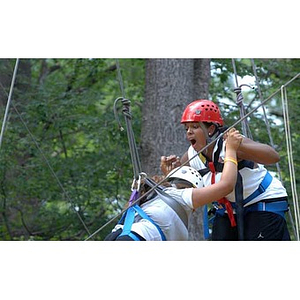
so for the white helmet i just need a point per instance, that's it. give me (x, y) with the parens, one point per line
(188, 174)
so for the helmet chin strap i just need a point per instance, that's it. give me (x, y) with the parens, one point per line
(209, 138)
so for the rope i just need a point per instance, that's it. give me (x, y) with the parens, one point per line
(9, 100)
(128, 117)
(130, 134)
(239, 100)
(290, 158)
(120, 79)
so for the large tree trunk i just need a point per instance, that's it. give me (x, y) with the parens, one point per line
(170, 85)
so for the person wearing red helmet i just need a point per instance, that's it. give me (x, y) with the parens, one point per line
(157, 219)
(264, 199)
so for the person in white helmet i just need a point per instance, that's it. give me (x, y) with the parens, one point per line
(164, 214)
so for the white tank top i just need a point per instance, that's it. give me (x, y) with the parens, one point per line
(251, 177)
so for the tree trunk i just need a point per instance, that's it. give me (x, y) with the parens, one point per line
(171, 84)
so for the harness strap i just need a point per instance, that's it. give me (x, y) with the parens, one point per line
(278, 207)
(262, 187)
(239, 207)
(145, 216)
(223, 200)
(129, 219)
(205, 222)
(170, 201)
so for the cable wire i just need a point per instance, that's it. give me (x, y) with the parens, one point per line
(290, 158)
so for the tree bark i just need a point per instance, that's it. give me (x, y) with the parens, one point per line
(171, 84)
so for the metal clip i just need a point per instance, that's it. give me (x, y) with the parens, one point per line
(136, 183)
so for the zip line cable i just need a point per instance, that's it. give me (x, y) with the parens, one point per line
(47, 162)
(203, 149)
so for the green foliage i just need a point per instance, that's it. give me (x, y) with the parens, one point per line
(81, 168)
(63, 158)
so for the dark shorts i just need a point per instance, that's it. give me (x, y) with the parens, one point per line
(115, 236)
(258, 226)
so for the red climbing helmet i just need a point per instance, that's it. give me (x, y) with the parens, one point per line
(202, 111)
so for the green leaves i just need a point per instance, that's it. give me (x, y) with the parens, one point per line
(67, 105)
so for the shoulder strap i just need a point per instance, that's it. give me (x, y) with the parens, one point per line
(129, 219)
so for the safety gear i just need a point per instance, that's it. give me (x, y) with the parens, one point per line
(188, 174)
(202, 111)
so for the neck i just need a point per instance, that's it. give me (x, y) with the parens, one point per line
(209, 152)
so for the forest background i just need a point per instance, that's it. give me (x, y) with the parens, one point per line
(65, 167)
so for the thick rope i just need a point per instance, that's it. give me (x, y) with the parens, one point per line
(128, 117)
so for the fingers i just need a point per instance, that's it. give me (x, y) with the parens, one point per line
(234, 138)
(168, 163)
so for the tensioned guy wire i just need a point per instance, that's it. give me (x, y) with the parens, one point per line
(290, 157)
(9, 100)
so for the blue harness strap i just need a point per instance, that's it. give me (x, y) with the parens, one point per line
(278, 207)
(205, 222)
(262, 187)
(129, 219)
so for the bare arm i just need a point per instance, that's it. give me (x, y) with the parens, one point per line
(257, 152)
(214, 192)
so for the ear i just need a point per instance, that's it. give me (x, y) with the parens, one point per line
(212, 129)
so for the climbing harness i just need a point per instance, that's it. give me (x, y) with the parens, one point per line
(134, 200)
(261, 188)
(222, 205)
(128, 219)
